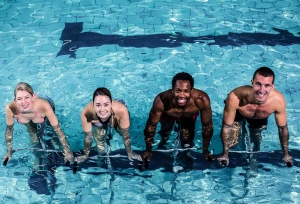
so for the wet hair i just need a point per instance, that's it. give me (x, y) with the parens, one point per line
(183, 76)
(264, 71)
(22, 86)
(102, 91)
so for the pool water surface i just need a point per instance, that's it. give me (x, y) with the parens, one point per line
(65, 49)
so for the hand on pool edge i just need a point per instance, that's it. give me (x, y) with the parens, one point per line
(146, 157)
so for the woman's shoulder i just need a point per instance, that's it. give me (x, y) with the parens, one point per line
(119, 108)
(12, 106)
(88, 110)
(42, 104)
(119, 105)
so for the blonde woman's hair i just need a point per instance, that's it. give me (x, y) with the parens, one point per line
(22, 86)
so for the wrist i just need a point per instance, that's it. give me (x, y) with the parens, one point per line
(148, 150)
(225, 153)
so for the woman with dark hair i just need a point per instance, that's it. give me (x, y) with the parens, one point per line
(102, 113)
(35, 111)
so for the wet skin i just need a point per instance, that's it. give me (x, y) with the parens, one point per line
(258, 101)
(102, 106)
(180, 103)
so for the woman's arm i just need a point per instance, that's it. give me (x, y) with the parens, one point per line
(49, 113)
(123, 130)
(88, 136)
(8, 132)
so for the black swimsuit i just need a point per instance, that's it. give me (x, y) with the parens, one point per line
(105, 122)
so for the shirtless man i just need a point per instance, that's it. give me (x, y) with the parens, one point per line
(255, 104)
(180, 104)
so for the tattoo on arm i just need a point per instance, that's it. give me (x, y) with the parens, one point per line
(225, 135)
(149, 133)
(284, 138)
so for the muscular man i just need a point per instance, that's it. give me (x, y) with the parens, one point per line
(255, 104)
(181, 104)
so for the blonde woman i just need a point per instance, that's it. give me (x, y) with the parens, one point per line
(102, 113)
(33, 111)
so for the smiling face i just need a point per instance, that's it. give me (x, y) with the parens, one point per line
(182, 92)
(24, 100)
(262, 87)
(102, 106)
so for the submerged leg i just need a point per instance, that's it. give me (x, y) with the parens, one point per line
(255, 137)
(187, 133)
(45, 131)
(165, 132)
(35, 143)
(99, 135)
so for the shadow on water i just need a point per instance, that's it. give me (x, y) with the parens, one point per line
(193, 161)
(43, 181)
(73, 39)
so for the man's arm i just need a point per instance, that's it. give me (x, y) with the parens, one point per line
(231, 105)
(207, 125)
(150, 129)
(280, 117)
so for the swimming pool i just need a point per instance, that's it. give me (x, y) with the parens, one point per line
(66, 49)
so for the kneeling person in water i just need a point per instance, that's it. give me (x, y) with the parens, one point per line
(181, 104)
(254, 104)
(32, 110)
(103, 112)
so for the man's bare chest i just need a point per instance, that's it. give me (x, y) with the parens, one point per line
(182, 113)
(256, 111)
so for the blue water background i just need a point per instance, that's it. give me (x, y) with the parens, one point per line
(30, 34)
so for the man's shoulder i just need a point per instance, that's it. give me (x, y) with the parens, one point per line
(201, 99)
(165, 94)
(238, 95)
(199, 93)
(245, 88)
(241, 91)
(278, 96)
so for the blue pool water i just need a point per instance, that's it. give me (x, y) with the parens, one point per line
(67, 48)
